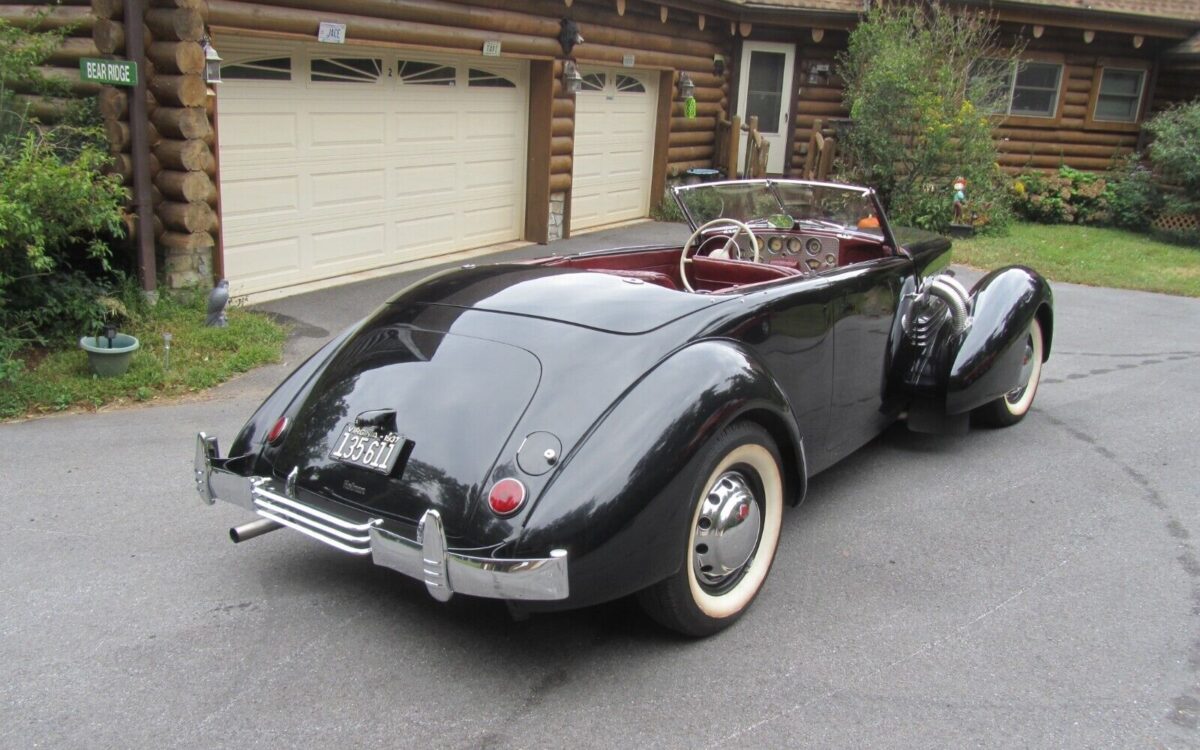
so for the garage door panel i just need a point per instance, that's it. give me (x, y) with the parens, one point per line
(321, 179)
(432, 180)
(349, 188)
(258, 132)
(485, 225)
(273, 259)
(259, 197)
(348, 247)
(426, 127)
(348, 129)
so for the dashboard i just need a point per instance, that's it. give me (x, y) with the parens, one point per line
(817, 253)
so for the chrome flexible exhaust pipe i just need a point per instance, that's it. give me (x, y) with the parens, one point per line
(956, 297)
(253, 529)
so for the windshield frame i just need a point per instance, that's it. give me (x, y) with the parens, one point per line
(770, 184)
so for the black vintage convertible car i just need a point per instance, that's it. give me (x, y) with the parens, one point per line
(571, 430)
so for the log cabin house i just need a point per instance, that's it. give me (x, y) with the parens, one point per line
(352, 136)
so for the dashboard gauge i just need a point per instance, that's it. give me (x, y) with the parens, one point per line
(775, 245)
(814, 264)
(793, 245)
(813, 246)
(831, 259)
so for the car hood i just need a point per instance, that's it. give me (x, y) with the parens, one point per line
(601, 301)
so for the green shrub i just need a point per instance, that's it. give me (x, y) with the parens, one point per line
(58, 212)
(1066, 197)
(1175, 153)
(909, 82)
(1134, 198)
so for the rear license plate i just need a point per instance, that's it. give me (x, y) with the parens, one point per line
(368, 448)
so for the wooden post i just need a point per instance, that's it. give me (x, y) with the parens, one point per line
(144, 202)
(537, 175)
(735, 141)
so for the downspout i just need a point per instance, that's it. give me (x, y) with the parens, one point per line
(140, 148)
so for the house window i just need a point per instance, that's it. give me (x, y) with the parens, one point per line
(1035, 91)
(347, 70)
(1120, 95)
(490, 80)
(273, 69)
(425, 74)
(1023, 89)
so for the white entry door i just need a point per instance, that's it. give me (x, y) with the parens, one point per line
(765, 90)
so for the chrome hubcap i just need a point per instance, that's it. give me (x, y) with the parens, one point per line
(1027, 365)
(727, 530)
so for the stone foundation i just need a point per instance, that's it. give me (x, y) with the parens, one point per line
(557, 202)
(187, 267)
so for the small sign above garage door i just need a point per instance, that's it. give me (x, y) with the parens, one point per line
(336, 160)
(615, 113)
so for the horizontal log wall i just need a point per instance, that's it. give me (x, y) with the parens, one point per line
(691, 142)
(819, 100)
(1070, 141)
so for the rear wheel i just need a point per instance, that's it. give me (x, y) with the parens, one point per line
(732, 534)
(1014, 405)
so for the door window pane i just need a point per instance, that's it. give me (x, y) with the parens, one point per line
(764, 94)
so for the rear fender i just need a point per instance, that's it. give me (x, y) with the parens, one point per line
(987, 362)
(620, 495)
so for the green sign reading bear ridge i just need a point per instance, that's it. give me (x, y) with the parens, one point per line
(111, 72)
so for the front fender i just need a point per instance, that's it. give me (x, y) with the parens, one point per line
(620, 497)
(988, 361)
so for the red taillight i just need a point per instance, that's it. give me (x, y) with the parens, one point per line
(506, 497)
(277, 431)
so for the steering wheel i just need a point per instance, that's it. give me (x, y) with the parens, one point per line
(685, 257)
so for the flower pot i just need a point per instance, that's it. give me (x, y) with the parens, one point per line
(109, 361)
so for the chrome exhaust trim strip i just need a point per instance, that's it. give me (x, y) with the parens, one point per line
(426, 558)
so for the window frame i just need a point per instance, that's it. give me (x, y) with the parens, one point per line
(1091, 122)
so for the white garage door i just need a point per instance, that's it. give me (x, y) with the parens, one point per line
(615, 114)
(336, 160)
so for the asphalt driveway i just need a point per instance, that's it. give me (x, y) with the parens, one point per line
(1034, 587)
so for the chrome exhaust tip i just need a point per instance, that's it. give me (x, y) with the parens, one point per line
(253, 529)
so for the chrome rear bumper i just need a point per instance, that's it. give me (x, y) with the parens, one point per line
(426, 558)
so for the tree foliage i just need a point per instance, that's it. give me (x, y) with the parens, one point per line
(914, 80)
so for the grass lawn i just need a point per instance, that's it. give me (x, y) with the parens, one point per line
(1089, 255)
(200, 358)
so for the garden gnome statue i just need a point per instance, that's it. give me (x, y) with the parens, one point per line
(218, 298)
(960, 199)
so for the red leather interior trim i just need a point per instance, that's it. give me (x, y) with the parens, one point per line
(650, 277)
(715, 274)
(857, 251)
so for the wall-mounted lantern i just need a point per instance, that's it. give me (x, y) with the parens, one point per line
(212, 63)
(718, 65)
(571, 79)
(687, 89)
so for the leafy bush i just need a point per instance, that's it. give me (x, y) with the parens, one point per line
(1134, 198)
(1175, 153)
(909, 88)
(1066, 197)
(58, 213)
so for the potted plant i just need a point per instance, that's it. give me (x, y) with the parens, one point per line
(109, 353)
